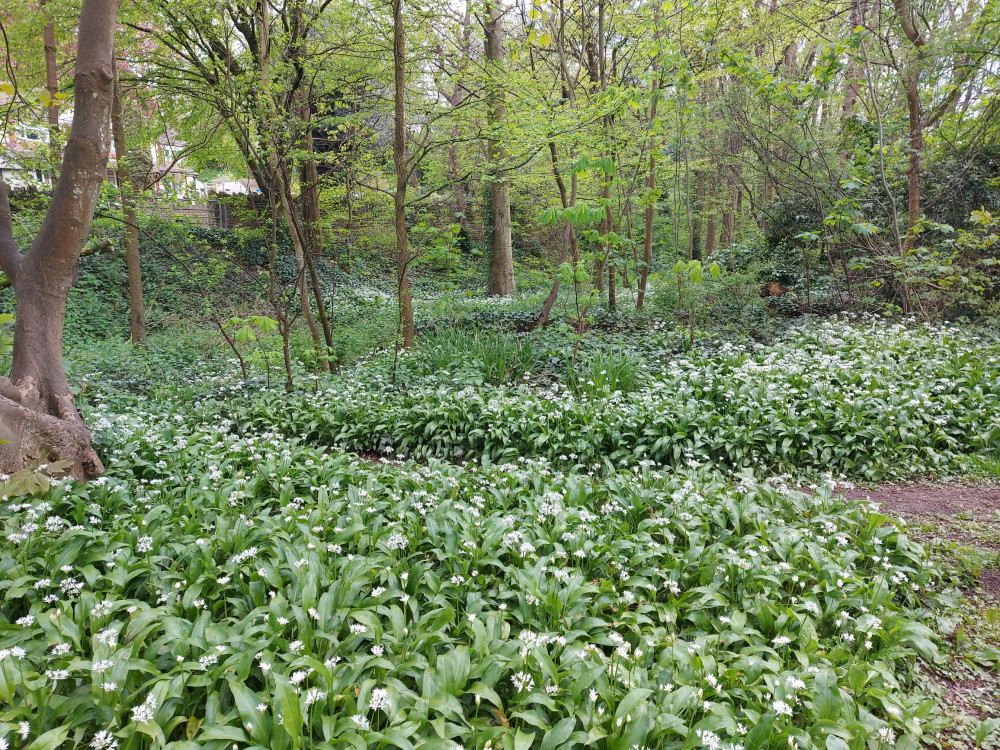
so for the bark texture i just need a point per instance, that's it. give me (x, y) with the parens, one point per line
(647, 243)
(38, 415)
(51, 87)
(128, 190)
(501, 281)
(401, 161)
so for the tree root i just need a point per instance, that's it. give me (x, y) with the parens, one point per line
(30, 436)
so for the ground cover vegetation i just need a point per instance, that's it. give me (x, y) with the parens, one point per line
(495, 375)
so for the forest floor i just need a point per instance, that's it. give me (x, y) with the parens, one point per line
(961, 524)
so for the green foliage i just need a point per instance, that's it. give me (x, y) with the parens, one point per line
(224, 587)
(859, 399)
(606, 373)
(6, 334)
(478, 358)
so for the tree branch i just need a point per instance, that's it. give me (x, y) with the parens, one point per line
(10, 257)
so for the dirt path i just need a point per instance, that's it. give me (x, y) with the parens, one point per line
(961, 525)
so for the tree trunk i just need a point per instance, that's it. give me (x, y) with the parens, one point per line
(911, 80)
(570, 247)
(916, 133)
(501, 282)
(853, 67)
(710, 222)
(699, 201)
(279, 182)
(299, 249)
(52, 88)
(401, 162)
(309, 190)
(38, 416)
(731, 206)
(310, 229)
(647, 244)
(127, 189)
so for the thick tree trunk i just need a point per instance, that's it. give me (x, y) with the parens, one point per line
(401, 161)
(38, 416)
(501, 282)
(127, 190)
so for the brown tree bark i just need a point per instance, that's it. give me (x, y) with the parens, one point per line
(38, 415)
(699, 201)
(570, 247)
(911, 80)
(859, 9)
(710, 222)
(731, 206)
(279, 182)
(647, 244)
(570, 243)
(52, 88)
(309, 227)
(501, 281)
(310, 182)
(401, 161)
(128, 191)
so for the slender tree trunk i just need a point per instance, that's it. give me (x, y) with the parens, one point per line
(853, 89)
(280, 183)
(128, 190)
(699, 200)
(569, 241)
(916, 135)
(710, 222)
(647, 244)
(310, 229)
(911, 80)
(401, 161)
(299, 249)
(310, 183)
(52, 89)
(729, 216)
(501, 282)
(38, 416)
(731, 207)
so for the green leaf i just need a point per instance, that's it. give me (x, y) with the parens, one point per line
(523, 740)
(50, 740)
(556, 736)
(289, 708)
(826, 696)
(759, 737)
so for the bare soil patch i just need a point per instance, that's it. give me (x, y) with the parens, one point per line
(961, 524)
(982, 500)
